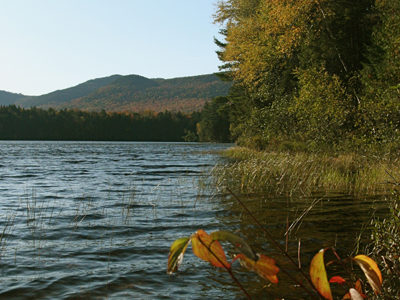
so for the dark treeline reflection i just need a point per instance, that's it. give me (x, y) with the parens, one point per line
(38, 124)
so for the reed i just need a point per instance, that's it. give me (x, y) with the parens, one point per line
(284, 173)
(384, 246)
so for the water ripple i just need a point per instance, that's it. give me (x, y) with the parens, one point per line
(96, 220)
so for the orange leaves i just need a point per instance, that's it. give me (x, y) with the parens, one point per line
(265, 266)
(318, 275)
(206, 249)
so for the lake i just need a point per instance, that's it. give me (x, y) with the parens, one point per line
(97, 219)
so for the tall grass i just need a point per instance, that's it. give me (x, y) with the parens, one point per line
(289, 174)
(385, 246)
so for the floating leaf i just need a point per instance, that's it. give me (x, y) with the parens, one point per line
(264, 266)
(337, 279)
(236, 241)
(202, 243)
(176, 253)
(371, 271)
(318, 275)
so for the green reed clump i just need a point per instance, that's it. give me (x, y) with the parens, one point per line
(301, 173)
(385, 247)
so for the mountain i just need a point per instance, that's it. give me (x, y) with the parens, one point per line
(129, 93)
(58, 97)
(7, 98)
(178, 94)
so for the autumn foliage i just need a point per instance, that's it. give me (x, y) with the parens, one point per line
(322, 72)
(208, 248)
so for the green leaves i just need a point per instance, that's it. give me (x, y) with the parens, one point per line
(176, 253)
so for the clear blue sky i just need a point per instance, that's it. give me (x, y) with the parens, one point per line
(54, 44)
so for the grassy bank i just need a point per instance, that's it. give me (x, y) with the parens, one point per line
(285, 173)
(306, 174)
(385, 247)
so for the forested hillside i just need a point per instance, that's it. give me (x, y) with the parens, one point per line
(180, 94)
(61, 96)
(320, 73)
(132, 93)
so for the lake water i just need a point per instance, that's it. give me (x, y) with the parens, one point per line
(96, 220)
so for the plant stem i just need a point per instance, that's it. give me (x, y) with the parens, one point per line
(276, 244)
(227, 268)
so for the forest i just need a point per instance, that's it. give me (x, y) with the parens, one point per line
(315, 109)
(18, 123)
(310, 74)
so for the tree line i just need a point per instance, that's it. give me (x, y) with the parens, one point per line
(17, 123)
(323, 73)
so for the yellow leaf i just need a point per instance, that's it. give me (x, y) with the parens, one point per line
(176, 253)
(371, 271)
(318, 275)
(207, 249)
(264, 266)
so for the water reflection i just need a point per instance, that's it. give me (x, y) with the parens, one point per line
(316, 222)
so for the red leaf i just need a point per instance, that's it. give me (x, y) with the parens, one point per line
(337, 279)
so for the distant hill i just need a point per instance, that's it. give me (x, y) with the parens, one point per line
(7, 98)
(59, 97)
(129, 93)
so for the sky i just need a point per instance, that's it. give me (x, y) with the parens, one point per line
(54, 44)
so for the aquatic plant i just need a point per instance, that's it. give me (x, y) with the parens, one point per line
(384, 247)
(208, 248)
(302, 174)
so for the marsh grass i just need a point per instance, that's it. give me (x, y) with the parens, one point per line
(304, 174)
(6, 231)
(385, 246)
